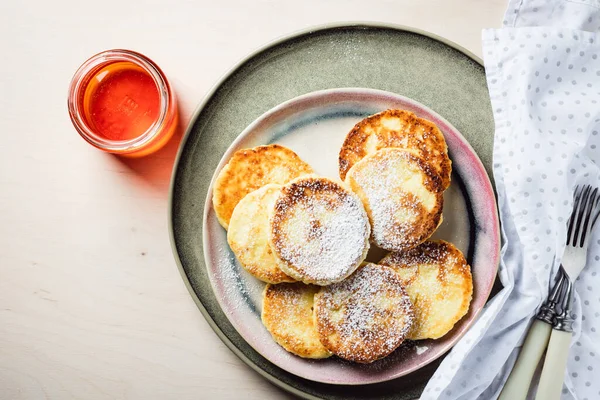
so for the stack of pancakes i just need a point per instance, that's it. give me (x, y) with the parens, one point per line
(307, 237)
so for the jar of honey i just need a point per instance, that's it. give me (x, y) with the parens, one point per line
(121, 102)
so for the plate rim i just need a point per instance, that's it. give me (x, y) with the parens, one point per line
(202, 104)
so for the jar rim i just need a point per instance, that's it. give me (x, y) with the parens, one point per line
(79, 82)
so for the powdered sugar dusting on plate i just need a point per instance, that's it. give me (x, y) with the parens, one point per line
(229, 273)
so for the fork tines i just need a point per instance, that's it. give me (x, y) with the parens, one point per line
(585, 203)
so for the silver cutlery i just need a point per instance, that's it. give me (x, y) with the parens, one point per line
(584, 216)
(541, 335)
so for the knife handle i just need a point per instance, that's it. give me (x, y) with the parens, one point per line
(553, 373)
(518, 382)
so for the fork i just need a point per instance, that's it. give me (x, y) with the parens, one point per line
(583, 217)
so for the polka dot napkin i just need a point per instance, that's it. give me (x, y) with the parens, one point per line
(543, 71)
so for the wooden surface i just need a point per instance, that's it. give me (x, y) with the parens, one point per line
(91, 302)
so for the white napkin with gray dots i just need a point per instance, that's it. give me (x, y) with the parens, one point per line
(543, 71)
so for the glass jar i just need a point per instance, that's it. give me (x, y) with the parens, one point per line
(121, 102)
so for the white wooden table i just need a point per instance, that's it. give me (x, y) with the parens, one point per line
(92, 305)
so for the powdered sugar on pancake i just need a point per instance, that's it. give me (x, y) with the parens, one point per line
(403, 197)
(319, 230)
(366, 316)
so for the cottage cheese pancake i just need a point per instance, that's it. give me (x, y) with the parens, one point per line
(403, 197)
(365, 317)
(288, 315)
(401, 129)
(251, 169)
(438, 280)
(248, 235)
(319, 230)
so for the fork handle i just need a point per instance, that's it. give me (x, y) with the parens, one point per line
(553, 373)
(518, 382)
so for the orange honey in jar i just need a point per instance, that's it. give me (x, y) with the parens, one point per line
(121, 102)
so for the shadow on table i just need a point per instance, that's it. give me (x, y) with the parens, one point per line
(155, 169)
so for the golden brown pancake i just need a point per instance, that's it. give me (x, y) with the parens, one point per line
(288, 315)
(403, 197)
(251, 169)
(319, 230)
(401, 129)
(365, 317)
(248, 235)
(438, 280)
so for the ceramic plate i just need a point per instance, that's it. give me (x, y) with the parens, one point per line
(428, 69)
(314, 126)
